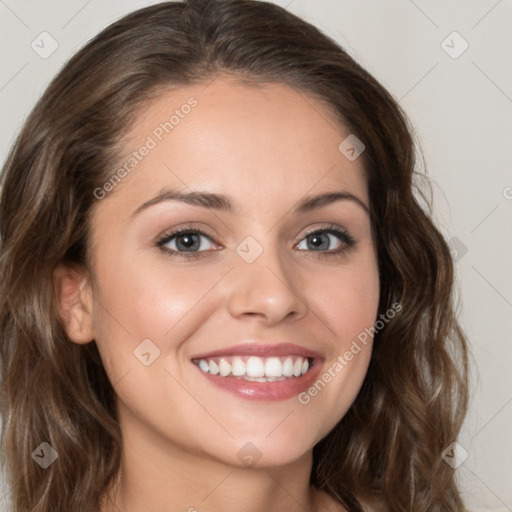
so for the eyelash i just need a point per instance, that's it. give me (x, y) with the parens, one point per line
(346, 239)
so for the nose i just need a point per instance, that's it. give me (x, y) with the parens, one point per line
(265, 289)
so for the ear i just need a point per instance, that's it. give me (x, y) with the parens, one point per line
(74, 298)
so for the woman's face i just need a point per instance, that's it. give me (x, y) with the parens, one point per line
(257, 294)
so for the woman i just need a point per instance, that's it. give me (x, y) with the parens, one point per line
(219, 290)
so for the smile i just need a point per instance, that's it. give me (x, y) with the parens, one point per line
(256, 369)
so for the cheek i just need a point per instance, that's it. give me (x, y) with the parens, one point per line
(149, 297)
(345, 298)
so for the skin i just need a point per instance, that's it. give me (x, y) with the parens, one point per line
(265, 148)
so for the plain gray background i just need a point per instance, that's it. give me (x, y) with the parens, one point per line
(460, 102)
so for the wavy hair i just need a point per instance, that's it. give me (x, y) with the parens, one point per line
(385, 453)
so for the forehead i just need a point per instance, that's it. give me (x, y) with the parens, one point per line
(261, 144)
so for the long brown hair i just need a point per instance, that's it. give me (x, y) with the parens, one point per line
(385, 454)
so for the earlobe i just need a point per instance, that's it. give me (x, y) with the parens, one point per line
(74, 299)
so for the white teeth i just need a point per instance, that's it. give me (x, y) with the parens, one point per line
(224, 368)
(214, 368)
(238, 367)
(288, 367)
(255, 379)
(273, 367)
(297, 367)
(256, 369)
(203, 364)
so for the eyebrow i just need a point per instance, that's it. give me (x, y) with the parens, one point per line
(221, 202)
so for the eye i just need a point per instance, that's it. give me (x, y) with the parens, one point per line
(191, 242)
(185, 240)
(331, 240)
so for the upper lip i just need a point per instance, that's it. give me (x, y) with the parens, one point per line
(253, 348)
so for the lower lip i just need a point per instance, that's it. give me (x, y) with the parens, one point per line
(266, 391)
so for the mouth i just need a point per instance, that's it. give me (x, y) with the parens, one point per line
(256, 369)
(261, 372)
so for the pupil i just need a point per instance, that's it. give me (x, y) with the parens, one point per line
(317, 242)
(187, 241)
